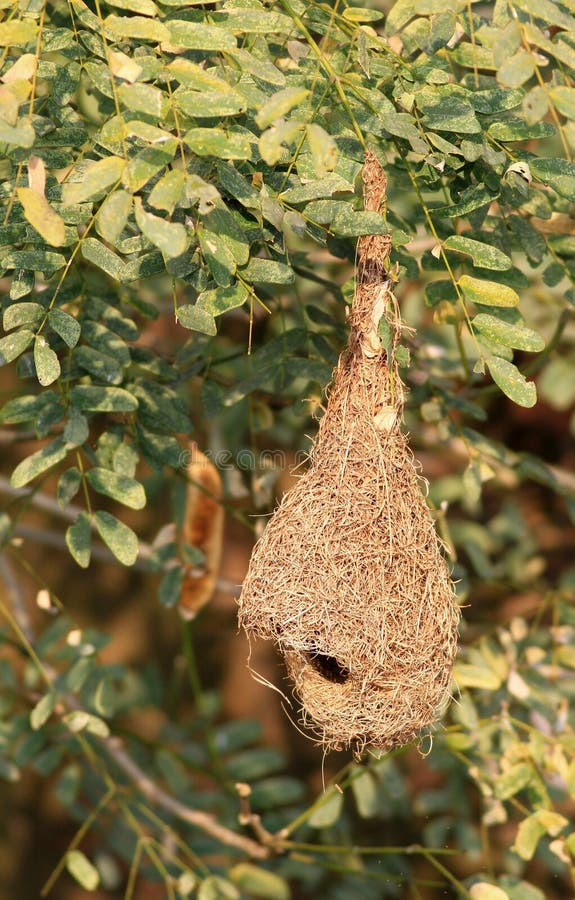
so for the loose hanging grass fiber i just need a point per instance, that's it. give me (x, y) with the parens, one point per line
(348, 578)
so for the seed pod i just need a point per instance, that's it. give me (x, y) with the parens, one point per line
(203, 529)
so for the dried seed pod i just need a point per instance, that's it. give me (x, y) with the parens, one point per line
(348, 578)
(203, 528)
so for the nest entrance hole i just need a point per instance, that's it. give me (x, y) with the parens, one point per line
(328, 667)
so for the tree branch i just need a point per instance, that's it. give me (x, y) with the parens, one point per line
(195, 817)
(116, 750)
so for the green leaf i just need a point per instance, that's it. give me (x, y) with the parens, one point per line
(487, 293)
(101, 256)
(558, 174)
(102, 399)
(279, 104)
(13, 345)
(548, 12)
(76, 431)
(447, 112)
(365, 791)
(196, 104)
(143, 267)
(120, 539)
(45, 261)
(49, 455)
(467, 675)
(168, 191)
(46, 361)
(472, 198)
(42, 711)
(196, 318)
(267, 271)
(161, 409)
(273, 141)
(221, 222)
(484, 255)
(516, 70)
(258, 882)
(68, 486)
(328, 809)
(146, 7)
(18, 314)
(93, 180)
(42, 216)
(142, 167)
(113, 215)
(261, 68)
(27, 407)
(217, 255)
(79, 540)
(220, 300)
(197, 36)
(137, 27)
(255, 21)
(217, 143)
(515, 129)
(513, 780)
(99, 364)
(65, 325)
(348, 223)
(119, 487)
(144, 98)
(170, 237)
(508, 334)
(355, 14)
(170, 588)
(508, 377)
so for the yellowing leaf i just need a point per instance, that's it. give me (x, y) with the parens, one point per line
(123, 66)
(483, 890)
(170, 237)
(18, 32)
(136, 27)
(95, 180)
(23, 69)
(279, 104)
(512, 382)
(487, 293)
(467, 675)
(532, 829)
(42, 217)
(9, 105)
(323, 150)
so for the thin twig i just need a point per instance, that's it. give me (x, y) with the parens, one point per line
(70, 513)
(115, 748)
(195, 817)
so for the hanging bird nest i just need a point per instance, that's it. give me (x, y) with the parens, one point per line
(348, 578)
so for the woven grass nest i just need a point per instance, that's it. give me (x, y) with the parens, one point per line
(348, 578)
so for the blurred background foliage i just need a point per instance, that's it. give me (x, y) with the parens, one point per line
(180, 201)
